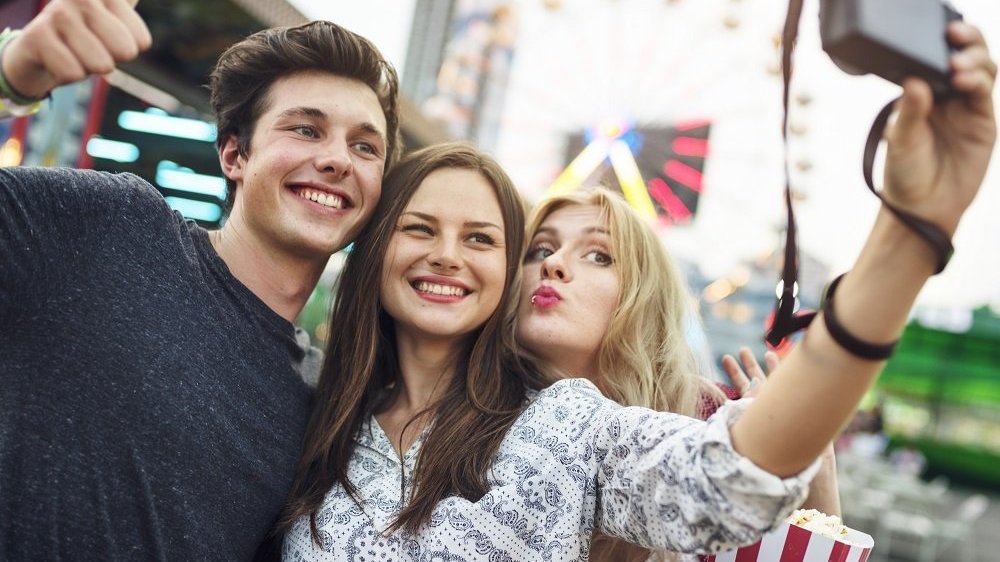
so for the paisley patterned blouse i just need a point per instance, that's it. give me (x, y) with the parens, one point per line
(573, 462)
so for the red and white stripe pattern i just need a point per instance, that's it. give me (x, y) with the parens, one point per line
(790, 543)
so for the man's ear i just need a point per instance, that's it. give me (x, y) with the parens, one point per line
(230, 160)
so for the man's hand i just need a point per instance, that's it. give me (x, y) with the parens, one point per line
(938, 153)
(70, 40)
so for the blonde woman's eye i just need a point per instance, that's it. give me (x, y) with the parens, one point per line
(537, 253)
(600, 258)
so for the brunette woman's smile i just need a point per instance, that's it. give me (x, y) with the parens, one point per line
(440, 289)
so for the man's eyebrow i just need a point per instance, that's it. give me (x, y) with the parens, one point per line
(372, 129)
(316, 113)
(303, 112)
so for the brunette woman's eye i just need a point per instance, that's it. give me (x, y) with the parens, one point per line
(417, 228)
(482, 238)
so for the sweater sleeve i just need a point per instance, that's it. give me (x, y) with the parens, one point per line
(51, 221)
(671, 482)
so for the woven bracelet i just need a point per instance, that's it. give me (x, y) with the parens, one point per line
(7, 91)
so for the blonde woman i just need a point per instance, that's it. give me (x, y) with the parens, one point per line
(602, 299)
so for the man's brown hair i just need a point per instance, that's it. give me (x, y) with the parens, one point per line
(243, 76)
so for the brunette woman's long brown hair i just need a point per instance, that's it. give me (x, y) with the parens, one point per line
(482, 400)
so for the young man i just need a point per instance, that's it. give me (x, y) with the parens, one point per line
(151, 394)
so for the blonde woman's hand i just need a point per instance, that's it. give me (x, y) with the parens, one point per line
(938, 152)
(749, 378)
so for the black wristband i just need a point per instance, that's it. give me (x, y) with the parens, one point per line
(846, 340)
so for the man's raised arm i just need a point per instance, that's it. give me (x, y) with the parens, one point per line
(68, 41)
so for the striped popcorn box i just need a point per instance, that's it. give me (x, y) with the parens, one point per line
(791, 543)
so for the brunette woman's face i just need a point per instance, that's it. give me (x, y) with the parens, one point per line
(570, 289)
(445, 267)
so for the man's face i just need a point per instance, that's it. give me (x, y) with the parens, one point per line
(314, 171)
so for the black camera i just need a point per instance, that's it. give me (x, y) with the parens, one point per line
(891, 38)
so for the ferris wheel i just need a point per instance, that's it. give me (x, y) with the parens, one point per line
(675, 103)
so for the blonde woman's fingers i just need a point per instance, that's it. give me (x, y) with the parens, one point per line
(750, 364)
(736, 374)
(771, 359)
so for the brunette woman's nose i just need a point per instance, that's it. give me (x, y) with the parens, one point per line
(445, 255)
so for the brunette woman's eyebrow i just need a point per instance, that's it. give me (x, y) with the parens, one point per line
(468, 224)
(482, 224)
(420, 215)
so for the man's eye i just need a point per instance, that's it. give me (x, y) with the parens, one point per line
(306, 131)
(366, 147)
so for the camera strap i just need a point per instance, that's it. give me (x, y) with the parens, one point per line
(938, 239)
(786, 320)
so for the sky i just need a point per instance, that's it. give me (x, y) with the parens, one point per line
(659, 62)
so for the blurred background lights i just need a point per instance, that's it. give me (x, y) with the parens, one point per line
(158, 122)
(173, 176)
(112, 150)
(197, 210)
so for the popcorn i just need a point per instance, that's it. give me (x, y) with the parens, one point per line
(818, 522)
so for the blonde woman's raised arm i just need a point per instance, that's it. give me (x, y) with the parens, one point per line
(937, 158)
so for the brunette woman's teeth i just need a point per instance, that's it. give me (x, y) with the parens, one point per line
(437, 289)
(325, 199)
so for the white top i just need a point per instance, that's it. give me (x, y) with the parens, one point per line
(574, 461)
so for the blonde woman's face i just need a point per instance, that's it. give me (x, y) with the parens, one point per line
(570, 289)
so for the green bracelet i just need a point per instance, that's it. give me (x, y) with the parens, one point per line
(11, 96)
(10, 109)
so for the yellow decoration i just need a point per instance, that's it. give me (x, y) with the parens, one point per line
(624, 165)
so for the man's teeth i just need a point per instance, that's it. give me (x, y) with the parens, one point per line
(325, 199)
(447, 290)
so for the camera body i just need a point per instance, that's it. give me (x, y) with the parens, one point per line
(890, 38)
